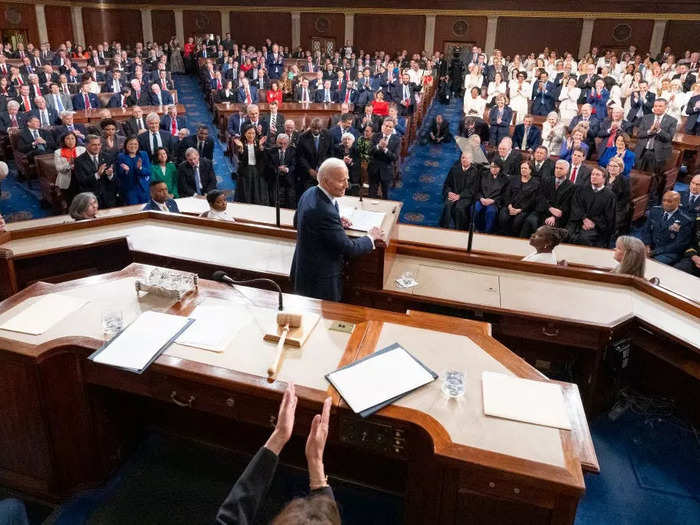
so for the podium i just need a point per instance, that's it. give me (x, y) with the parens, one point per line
(70, 422)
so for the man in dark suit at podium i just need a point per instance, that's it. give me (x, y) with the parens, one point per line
(322, 243)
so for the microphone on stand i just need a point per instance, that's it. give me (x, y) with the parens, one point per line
(223, 278)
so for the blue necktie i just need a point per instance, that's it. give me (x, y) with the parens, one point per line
(197, 180)
(60, 104)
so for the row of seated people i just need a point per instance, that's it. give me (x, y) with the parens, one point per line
(537, 86)
(513, 195)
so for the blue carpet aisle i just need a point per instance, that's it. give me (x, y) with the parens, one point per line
(20, 201)
(424, 170)
(197, 112)
(650, 473)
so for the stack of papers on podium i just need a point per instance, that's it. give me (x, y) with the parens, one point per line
(43, 313)
(140, 343)
(214, 327)
(380, 379)
(362, 220)
(525, 400)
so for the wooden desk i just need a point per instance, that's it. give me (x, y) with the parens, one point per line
(69, 419)
(120, 114)
(301, 113)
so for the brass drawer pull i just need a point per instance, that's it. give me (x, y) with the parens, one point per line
(550, 331)
(185, 404)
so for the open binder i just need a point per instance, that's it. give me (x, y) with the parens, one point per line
(370, 384)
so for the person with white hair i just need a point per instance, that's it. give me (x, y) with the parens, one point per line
(322, 244)
(347, 151)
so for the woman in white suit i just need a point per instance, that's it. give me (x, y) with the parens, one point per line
(568, 101)
(520, 94)
(474, 103)
(553, 133)
(473, 79)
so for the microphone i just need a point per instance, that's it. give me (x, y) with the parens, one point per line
(221, 276)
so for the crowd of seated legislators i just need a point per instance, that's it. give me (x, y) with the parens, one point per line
(550, 141)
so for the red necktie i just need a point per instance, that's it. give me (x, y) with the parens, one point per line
(218, 84)
(247, 96)
(174, 126)
(164, 85)
(347, 95)
(611, 139)
(27, 105)
(87, 101)
(21, 82)
(574, 172)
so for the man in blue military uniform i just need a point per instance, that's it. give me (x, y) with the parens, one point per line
(668, 230)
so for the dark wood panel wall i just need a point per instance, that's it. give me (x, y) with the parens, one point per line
(19, 16)
(255, 27)
(112, 24)
(163, 24)
(467, 29)
(199, 22)
(59, 24)
(619, 33)
(524, 35)
(324, 25)
(389, 32)
(682, 35)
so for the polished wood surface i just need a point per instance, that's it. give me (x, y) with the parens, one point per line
(425, 446)
(120, 114)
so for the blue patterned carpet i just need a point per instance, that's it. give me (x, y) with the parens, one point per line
(20, 201)
(424, 171)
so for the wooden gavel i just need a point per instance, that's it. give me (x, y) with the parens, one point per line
(287, 321)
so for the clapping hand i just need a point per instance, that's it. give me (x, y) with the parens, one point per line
(346, 223)
(139, 163)
(285, 421)
(123, 167)
(316, 442)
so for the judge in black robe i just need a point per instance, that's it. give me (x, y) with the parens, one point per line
(596, 203)
(553, 193)
(462, 181)
(520, 197)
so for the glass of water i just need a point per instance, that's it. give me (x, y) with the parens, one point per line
(453, 383)
(112, 323)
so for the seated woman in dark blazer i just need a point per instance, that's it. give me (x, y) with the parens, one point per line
(519, 200)
(620, 186)
(243, 502)
(347, 151)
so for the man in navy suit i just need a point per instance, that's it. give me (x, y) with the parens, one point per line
(160, 200)
(690, 199)
(325, 94)
(84, 99)
(155, 138)
(322, 243)
(171, 123)
(668, 231)
(47, 116)
(344, 126)
(405, 96)
(384, 154)
(527, 136)
(543, 95)
(247, 94)
(160, 98)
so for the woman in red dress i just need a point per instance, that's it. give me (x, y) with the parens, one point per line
(379, 105)
(274, 93)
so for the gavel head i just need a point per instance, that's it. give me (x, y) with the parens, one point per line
(293, 320)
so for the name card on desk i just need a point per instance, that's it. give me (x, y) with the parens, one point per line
(536, 402)
(362, 220)
(140, 343)
(42, 314)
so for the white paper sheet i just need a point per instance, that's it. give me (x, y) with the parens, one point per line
(384, 376)
(362, 220)
(45, 312)
(214, 327)
(141, 340)
(195, 205)
(524, 400)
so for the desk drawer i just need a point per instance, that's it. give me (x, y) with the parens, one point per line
(551, 331)
(187, 394)
(497, 485)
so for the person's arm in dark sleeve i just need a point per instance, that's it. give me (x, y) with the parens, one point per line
(242, 503)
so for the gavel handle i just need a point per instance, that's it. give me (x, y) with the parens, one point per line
(272, 371)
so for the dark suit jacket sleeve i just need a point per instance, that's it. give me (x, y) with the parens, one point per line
(210, 180)
(332, 234)
(242, 503)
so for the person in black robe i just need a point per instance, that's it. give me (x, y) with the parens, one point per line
(519, 200)
(459, 191)
(620, 186)
(440, 130)
(553, 202)
(592, 220)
